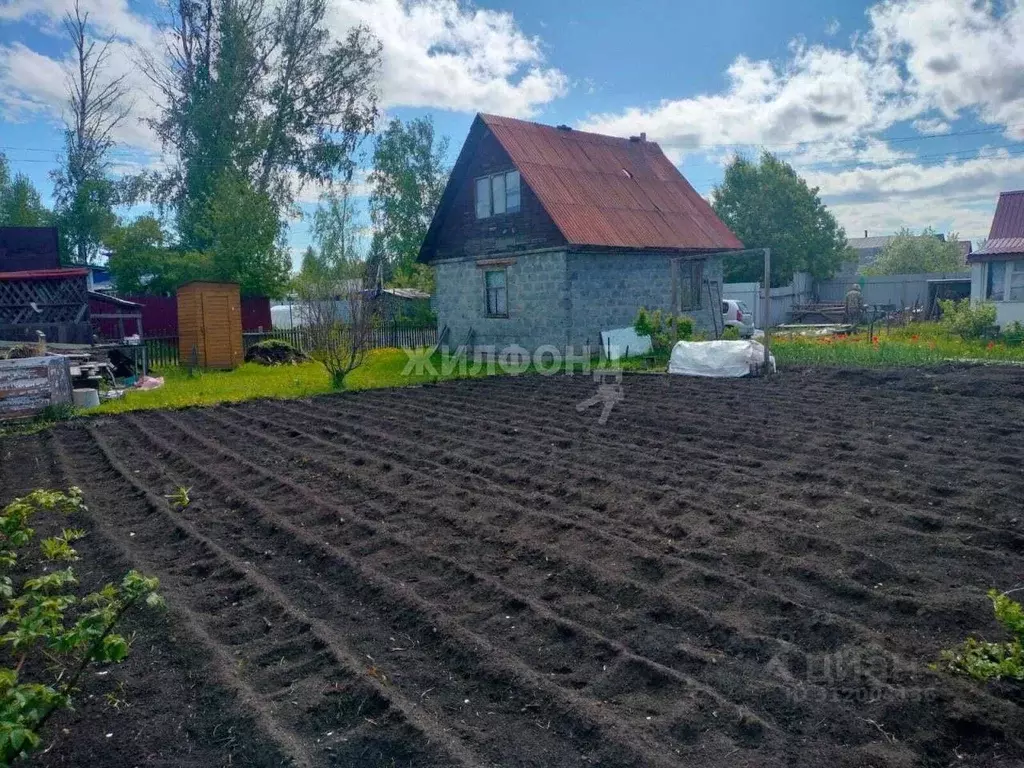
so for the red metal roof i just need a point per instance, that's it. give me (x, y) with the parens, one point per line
(44, 274)
(607, 191)
(1006, 237)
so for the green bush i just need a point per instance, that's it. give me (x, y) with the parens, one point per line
(52, 634)
(1014, 333)
(731, 333)
(984, 660)
(663, 328)
(966, 320)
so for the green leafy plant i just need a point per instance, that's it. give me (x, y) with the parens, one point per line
(52, 634)
(969, 321)
(56, 412)
(663, 328)
(180, 498)
(985, 660)
(1014, 333)
(731, 333)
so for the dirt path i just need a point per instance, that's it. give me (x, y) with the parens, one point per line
(725, 574)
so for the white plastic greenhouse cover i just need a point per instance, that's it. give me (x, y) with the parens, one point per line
(717, 359)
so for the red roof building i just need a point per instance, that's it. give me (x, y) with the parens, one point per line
(997, 269)
(548, 235)
(1006, 236)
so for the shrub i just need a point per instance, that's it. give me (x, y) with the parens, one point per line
(993, 661)
(966, 320)
(52, 634)
(731, 333)
(274, 352)
(1014, 334)
(663, 328)
(684, 327)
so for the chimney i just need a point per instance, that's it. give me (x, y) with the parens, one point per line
(865, 234)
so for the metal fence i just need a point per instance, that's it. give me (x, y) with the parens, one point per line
(890, 290)
(162, 351)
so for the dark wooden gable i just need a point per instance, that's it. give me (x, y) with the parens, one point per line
(457, 232)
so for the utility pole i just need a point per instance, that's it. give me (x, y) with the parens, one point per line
(767, 307)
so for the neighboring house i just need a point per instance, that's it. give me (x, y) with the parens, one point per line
(548, 236)
(867, 249)
(997, 269)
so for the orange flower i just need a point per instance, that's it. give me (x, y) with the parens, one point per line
(915, 338)
(874, 340)
(991, 345)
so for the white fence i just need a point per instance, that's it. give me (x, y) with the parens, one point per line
(783, 298)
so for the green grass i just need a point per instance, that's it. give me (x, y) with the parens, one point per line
(914, 345)
(382, 368)
(246, 382)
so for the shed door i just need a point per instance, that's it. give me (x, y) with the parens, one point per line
(217, 330)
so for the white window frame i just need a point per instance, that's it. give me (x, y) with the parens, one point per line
(1011, 269)
(491, 181)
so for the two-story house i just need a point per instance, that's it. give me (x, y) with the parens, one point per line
(548, 236)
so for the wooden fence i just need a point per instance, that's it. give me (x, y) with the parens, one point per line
(163, 350)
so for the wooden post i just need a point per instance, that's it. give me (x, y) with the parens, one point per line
(767, 307)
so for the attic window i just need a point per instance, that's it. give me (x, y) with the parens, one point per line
(497, 194)
(627, 174)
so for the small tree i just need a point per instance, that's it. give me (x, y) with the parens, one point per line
(339, 318)
(966, 320)
(52, 634)
(908, 253)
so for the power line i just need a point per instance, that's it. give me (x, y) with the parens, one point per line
(816, 142)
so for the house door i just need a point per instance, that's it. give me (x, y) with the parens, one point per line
(217, 331)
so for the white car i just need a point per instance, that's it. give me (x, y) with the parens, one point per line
(736, 315)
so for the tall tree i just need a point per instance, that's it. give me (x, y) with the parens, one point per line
(20, 203)
(338, 231)
(908, 254)
(96, 106)
(767, 205)
(245, 237)
(408, 177)
(258, 91)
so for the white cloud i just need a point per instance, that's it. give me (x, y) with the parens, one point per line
(436, 54)
(832, 28)
(931, 125)
(446, 55)
(826, 108)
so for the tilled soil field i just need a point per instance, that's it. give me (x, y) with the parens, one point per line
(726, 573)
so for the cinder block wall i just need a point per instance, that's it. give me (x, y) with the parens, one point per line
(560, 298)
(537, 302)
(606, 290)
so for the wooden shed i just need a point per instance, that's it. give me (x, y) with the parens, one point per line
(210, 320)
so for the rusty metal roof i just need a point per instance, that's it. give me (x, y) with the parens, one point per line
(612, 192)
(1006, 237)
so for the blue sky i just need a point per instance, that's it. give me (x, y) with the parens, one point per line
(904, 112)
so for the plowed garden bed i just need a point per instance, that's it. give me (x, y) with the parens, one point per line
(738, 573)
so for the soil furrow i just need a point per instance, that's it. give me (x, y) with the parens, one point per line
(579, 719)
(228, 597)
